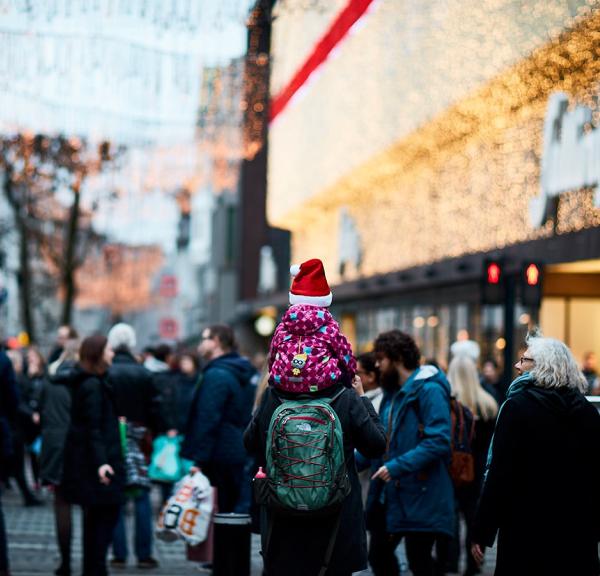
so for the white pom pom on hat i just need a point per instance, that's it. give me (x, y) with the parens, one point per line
(310, 284)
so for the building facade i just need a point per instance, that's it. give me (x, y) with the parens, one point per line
(429, 139)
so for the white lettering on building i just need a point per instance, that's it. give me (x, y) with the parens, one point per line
(349, 242)
(571, 155)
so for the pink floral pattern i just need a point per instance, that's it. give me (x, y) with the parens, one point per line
(308, 352)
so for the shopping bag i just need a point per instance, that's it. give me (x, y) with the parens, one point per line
(203, 552)
(165, 465)
(136, 469)
(188, 512)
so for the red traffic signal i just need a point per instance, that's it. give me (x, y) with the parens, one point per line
(532, 275)
(494, 272)
(492, 282)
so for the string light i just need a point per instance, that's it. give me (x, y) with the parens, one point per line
(436, 153)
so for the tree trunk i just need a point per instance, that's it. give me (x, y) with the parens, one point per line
(24, 273)
(69, 269)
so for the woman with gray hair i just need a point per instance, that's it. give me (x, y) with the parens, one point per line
(544, 451)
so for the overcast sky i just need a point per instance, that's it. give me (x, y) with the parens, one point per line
(125, 71)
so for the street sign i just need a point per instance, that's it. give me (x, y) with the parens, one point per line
(168, 329)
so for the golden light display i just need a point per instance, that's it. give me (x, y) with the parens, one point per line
(450, 157)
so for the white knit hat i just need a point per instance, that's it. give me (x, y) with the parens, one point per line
(122, 336)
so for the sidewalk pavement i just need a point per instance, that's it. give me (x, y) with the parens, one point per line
(33, 550)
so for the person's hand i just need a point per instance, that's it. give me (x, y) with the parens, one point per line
(477, 553)
(105, 473)
(35, 417)
(357, 385)
(172, 433)
(383, 474)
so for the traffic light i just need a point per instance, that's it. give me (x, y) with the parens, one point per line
(492, 282)
(531, 284)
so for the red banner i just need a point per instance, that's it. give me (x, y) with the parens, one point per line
(334, 35)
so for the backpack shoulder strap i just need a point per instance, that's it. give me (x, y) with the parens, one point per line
(331, 544)
(335, 396)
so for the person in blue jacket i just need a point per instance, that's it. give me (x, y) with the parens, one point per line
(411, 493)
(221, 409)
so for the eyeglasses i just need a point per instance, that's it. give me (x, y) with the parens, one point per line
(524, 359)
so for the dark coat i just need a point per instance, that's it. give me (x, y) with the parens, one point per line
(9, 394)
(55, 420)
(9, 403)
(136, 395)
(298, 545)
(220, 411)
(176, 393)
(93, 440)
(31, 396)
(534, 495)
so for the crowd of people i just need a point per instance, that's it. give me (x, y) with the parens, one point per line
(68, 416)
(531, 446)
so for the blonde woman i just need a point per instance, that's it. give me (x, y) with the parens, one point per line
(464, 379)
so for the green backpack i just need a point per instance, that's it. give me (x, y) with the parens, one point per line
(306, 468)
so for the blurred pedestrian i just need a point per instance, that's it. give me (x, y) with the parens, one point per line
(589, 369)
(31, 397)
(93, 473)
(176, 390)
(156, 358)
(220, 411)
(367, 369)
(64, 333)
(491, 380)
(411, 494)
(464, 380)
(9, 402)
(541, 461)
(18, 424)
(138, 401)
(55, 411)
(297, 545)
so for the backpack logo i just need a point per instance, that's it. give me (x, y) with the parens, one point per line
(304, 427)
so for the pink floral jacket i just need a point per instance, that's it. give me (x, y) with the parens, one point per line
(308, 351)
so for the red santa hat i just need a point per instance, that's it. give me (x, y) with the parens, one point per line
(310, 285)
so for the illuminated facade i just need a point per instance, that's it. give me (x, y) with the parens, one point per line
(426, 131)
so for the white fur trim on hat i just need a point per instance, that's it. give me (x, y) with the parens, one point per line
(321, 301)
(294, 269)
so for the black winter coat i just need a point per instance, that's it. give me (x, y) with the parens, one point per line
(55, 420)
(220, 411)
(176, 393)
(93, 440)
(31, 396)
(544, 456)
(298, 545)
(136, 395)
(9, 402)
